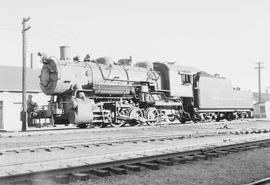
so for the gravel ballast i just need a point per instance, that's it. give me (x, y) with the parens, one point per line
(235, 168)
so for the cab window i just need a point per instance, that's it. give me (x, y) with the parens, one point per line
(185, 78)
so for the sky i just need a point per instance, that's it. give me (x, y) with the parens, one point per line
(217, 36)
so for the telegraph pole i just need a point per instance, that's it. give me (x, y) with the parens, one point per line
(259, 67)
(23, 113)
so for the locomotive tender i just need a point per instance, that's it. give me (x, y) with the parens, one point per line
(101, 92)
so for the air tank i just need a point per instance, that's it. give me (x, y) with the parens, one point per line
(64, 52)
(146, 64)
(105, 60)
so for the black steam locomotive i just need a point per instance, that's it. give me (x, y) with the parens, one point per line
(102, 92)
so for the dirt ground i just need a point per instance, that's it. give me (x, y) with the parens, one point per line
(232, 169)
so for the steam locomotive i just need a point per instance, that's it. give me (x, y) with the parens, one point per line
(100, 92)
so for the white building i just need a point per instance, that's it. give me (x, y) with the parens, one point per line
(262, 110)
(11, 95)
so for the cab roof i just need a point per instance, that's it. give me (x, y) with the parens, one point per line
(180, 68)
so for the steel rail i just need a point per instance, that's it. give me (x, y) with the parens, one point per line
(265, 181)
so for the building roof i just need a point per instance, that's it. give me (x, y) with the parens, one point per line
(11, 79)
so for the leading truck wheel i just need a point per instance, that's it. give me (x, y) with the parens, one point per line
(118, 123)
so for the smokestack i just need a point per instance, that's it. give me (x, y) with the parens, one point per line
(64, 52)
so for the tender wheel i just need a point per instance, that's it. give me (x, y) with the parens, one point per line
(194, 119)
(118, 123)
(229, 117)
(184, 117)
(183, 121)
(152, 114)
(171, 118)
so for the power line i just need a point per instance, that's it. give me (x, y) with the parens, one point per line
(259, 67)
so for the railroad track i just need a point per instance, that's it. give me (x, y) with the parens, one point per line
(149, 159)
(265, 181)
(39, 131)
(89, 142)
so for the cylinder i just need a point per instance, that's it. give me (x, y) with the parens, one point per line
(64, 52)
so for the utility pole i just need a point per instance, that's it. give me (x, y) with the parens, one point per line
(266, 90)
(259, 67)
(23, 113)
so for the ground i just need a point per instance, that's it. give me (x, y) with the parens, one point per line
(233, 169)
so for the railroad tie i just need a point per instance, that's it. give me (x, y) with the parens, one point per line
(117, 170)
(211, 154)
(164, 162)
(109, 144)
(252, 147)
(201, 156)
(134, 168)
(62, 179)
(152, 166)
(264, 144)
(47, 149)
(37, 181)
(100, 172)
(258, 146)
(56, 148)
(14, 151)
(258, 131)
(80, 176)
(180, 160)
(233, 150)
(190, 158)
(241, 148)
(223, 152)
